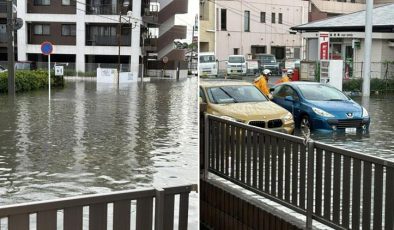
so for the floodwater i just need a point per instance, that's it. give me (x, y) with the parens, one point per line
(379, 141)
(99, 138)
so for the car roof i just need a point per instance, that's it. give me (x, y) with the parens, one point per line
(216, 83)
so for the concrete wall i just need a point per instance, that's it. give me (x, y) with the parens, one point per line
(295, 12)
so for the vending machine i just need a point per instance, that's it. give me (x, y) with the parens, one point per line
(331, 72)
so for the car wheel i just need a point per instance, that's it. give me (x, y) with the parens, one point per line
(305, 123)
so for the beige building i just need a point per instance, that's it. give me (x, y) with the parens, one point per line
(321, 9)
(207, 26)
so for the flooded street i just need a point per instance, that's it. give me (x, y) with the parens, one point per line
(379, 141)
(96, 138)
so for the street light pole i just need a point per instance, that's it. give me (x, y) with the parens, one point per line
(119, 35)
(10, 47)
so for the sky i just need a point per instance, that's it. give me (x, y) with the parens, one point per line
(189, 19)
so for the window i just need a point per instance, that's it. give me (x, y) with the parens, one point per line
(68, 30)
(41, 29)
(42, 2)
(223, 19)
(247, 21)
(262, 17)
(236, 51)
(273, 17)
(280, 18)
(68, 2)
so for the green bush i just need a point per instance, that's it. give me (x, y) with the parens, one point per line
(26, 80)
(376, 85)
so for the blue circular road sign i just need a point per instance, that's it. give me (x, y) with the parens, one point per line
(46, 48)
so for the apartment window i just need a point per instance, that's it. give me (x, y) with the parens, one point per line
(42, 2)
(273, 18)
(262, 17)
(280, 18)
(236, 51)
(247, 21)
(68, 2)
(223, 19)
(41, 29)
(68, 30)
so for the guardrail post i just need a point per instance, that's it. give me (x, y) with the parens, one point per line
(206, 146)
(159, 212)
(310, 182)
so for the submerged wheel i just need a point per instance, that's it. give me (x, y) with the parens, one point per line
(305, 122)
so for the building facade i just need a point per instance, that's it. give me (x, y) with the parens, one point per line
(207, 26)
(93, 33)
(250, 27)
(321, 9)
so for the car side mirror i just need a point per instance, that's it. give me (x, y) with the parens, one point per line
(272, 90)
(289, 98)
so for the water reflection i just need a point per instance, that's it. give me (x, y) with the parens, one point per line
(377, 141)
(92, 138)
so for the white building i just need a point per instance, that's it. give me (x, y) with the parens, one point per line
(249, 27)
(88, 32)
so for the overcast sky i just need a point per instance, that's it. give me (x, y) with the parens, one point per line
(189, 18)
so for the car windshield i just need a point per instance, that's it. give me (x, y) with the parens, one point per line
(236, 59)
(207, 58)
(267, 58)
(320, 92)
(235, 94)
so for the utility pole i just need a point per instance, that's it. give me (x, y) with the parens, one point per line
(10, 48)
(367, 48)
(192, 46)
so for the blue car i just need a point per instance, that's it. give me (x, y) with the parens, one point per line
(320, 106)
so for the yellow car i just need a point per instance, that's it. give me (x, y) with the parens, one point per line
(243, 102)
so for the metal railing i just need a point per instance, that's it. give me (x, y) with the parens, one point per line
(340, 188)
(154, 207)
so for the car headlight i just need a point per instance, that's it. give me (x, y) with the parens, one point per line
(228, 118)
(365, 113)
(288, 117)
(322, 113)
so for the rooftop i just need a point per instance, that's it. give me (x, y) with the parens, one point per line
(383, 21)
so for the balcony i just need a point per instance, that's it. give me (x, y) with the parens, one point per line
(98, 40)
(108, 9)
(150, 44)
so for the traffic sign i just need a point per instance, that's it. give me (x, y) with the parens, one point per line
(59, 70)
(165, 59)
(46, 48)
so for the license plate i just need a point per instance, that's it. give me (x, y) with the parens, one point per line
(350, 130)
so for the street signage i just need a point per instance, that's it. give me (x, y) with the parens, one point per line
(165, 60)
(59, 70)
(324, 45)
(46, 48)
(18, 23)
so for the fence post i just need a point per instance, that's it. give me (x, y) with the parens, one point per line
(159, 206)
(206, 146)
(310, 182)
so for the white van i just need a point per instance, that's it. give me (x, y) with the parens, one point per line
(236, 65)
(207, 64)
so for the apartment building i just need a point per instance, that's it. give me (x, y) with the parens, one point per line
(207, 26)
(249, 27)
(321, 9)
(90, 33)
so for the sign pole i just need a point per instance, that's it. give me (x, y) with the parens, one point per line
(49, 76)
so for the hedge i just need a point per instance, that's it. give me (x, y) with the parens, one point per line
(376, 85)
(26, 80)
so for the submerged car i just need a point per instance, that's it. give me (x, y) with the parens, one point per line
(320, 106)
(243, 102)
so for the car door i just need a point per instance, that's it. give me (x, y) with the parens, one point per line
(279, 96)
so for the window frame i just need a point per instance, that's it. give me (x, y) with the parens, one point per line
(280, 18)
(223, 26)
(263, 16)
(42, 2)
(246, 21)
(42, 29)
(70, 30)
(273, 18)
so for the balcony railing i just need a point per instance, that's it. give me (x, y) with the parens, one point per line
(152, 207)
(125, 40)
(109, 9)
